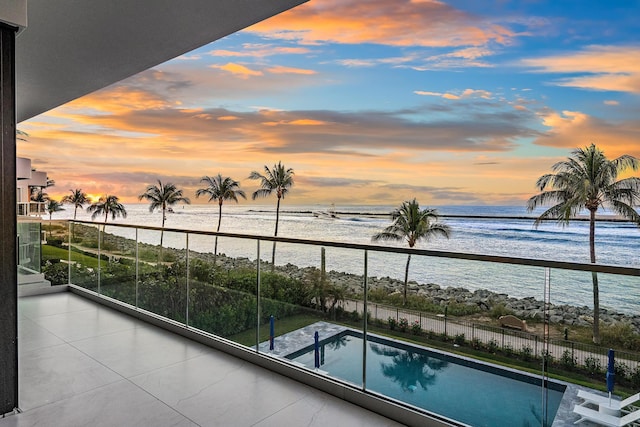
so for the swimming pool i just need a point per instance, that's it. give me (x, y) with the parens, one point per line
(464, 390)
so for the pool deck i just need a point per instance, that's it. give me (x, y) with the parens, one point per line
(291, 342)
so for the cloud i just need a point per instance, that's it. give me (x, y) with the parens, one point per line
(610, 102)
(280, 69)
(334, 182)
(604, 68)
(386, 22)
(467, 93)
(238, 70)
(261, 51)
(571, 129)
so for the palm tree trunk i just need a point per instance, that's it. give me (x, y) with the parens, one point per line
(73, 229)
(594, 277)
(162, 232)
(273, 253)
(406, 281)
(215, 250)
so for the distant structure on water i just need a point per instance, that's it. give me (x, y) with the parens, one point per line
(329, 213)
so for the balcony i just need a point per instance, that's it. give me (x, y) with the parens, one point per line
(31, 208)
(83, 364)
(171, 279)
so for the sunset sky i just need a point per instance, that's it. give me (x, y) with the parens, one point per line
(369, 101)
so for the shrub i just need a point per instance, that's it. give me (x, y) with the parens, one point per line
(403, 324)
(492, 346)
(620, 335)
(621, 369)
(635, 377)
(392, 323)
(458, 339)
(526, 352)
(507, 350)
(593, 365)
(547, 358)
(56, 272)
(476, 343)
(54, 241)
(415, 328)
(499, 310)
(567, 360)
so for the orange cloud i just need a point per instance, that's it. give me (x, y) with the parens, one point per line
(116, 100)
(572, 129)
(609, 68)
(289, 70)
(307, 122)
(238, 70)
(388, 22)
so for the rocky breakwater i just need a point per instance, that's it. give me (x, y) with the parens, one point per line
(485, 300)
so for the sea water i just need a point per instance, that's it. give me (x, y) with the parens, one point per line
(501, 231)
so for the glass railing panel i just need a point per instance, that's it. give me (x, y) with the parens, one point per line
(328, 300)
(222, 288)
(454, 306)
(572, 349)
(162, 273)
(118, 273)
(83, 258)
(29, 238)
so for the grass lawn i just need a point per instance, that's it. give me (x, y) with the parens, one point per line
(54, 252)
(283, 326)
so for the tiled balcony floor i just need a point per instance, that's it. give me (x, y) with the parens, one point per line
(82, 364)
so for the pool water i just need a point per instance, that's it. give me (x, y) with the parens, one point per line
(460, 389)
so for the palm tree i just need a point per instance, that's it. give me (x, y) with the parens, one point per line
(53, 206)
(161, 197)
(107, 205)
(77, 198)
(220, 189)
(412, 224)
(588, 180)
(278, 180)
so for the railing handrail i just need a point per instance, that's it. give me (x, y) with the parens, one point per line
(564, 265)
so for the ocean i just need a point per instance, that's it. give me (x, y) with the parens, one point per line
(496, 230)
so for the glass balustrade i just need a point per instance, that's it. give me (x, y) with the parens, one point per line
(274, 297)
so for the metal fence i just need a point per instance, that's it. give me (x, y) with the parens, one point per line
(508, 341)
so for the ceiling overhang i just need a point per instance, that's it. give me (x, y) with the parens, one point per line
(74, 47)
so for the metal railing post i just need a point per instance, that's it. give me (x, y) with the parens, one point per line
(258, 296)
(186, 320)
(137, 271)
(100, 254)
(69, 254)
(364, 323)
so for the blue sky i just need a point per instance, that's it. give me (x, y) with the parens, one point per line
(369, 101)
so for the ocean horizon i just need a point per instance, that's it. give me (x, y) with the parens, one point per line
(488, 230)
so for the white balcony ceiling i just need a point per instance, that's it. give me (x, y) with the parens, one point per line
(73, 47)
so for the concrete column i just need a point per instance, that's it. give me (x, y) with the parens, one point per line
(8, 232)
